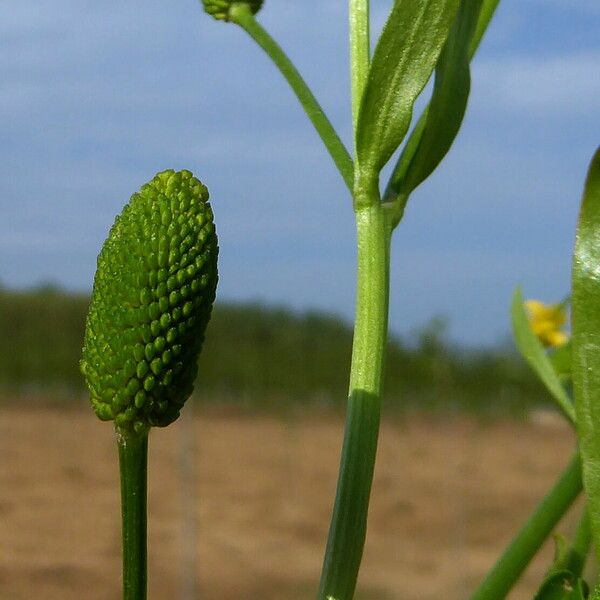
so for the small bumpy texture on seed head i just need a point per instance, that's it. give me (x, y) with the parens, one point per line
(153, 293)
(219, 9)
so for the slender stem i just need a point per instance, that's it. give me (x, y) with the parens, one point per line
(360, 51)
(133, 459)
(580, 547)
(242, 15)
(527, 542)
(348, 524)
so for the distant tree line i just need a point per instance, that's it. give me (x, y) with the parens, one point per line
(268, 357)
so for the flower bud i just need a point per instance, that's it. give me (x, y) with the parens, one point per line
(153, 292)
(220, 9)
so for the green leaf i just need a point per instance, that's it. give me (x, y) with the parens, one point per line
(403, 62)
(438, 126)
(561, 360)
(562, 585)
(488, 8)
(533, 352)
(486, 13)
(585, 317)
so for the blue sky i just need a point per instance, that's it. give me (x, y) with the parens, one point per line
(95, 97)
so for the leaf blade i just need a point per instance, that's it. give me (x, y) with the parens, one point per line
(533, 352)
(486, 12)
(403, 62)
(488, 8)
(585, 302)
(447, 107)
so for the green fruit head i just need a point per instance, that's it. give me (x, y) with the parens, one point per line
(220, 9)
(153, 293)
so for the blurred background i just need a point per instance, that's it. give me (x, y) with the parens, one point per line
(96, 97)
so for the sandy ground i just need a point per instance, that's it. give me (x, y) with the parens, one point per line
(239, 505)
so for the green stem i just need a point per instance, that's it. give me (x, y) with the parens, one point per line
(348, 524)
(581, 544)
(527, 542)
(241, 14)
(133, 459)
(360, 50)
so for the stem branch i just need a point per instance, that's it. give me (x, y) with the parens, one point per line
(242, 15)
(360, 51)
(133, 460)
(527, 542)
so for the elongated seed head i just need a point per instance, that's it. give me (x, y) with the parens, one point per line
(220, 9)
(153, 293)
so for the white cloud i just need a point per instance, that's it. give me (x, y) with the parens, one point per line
(15, 242)
(98, 96)
(543, 86)
(591, 7)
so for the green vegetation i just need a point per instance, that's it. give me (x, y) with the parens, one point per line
(267, 357)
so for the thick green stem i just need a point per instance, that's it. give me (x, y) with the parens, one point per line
(242, 15)
(360, 50)
(133, 460)
(528, 541)
(348, 524)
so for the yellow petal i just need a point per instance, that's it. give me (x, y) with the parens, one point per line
(546, 321)
(556, 339)
(534, 308)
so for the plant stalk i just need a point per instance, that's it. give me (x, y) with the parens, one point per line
(133, 463)
(242, 16)
(582, 540)
(360, 52)
(528, 541)
(348, 524)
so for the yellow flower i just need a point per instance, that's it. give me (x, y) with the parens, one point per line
(547, 322)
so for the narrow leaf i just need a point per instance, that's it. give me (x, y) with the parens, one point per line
(585, 302)
(439, 124)
(488, 8)
(561, 361)
(486, 13)
(533, 352)
(403, 62)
